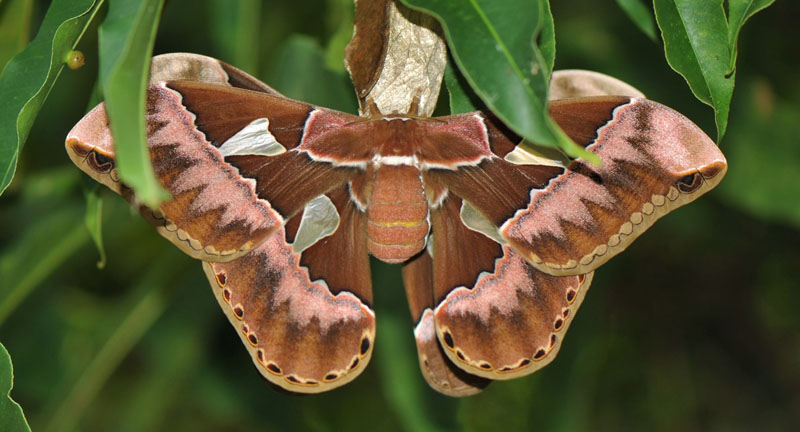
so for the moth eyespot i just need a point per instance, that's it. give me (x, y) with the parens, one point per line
(226, 294)
(365, 344)
(275, 369)
(485, 365)
(565, 313)
(260, 355)
(448, 340)
(312, 382)
(571, 295)
(99, 162)
(245, 328)
(461, 355)
(252, 338)
(221, 279)
(553, 340)
(558, 324)
(539, 354)
(689, 183)
(75, 59)
(293, 379)
(238, 311)
(354, 364)
(331, 377)
(525, 362)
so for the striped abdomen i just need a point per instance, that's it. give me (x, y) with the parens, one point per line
(397, 214)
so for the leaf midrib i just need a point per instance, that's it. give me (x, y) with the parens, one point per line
(694, 53)
(503, 48)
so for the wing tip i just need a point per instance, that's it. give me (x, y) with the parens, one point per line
(687, 189)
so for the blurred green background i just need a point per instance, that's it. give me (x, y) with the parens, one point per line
(695, 327)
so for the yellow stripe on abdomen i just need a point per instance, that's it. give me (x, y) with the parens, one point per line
(397, 214)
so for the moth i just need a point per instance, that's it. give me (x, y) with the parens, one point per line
(284, 202)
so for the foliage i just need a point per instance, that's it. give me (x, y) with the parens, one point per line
(11, 417)
(640, 15)
(492, 44)
(700, 308)
(27, 78)
(126, 41)
(700, 43)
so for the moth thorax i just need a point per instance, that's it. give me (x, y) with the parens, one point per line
(397, 214)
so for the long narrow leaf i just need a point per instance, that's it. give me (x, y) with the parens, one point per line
(126, 43)
(93, 220)
(547, 39)
(12, 418)
(695, 37)
(640, 15)
(340, 19)
(299, 72)
(739, 11)
(29, 76)
(235, 30)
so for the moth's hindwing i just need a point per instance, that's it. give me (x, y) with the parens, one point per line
(306, 319)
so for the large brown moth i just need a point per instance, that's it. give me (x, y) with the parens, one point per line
(283, 202)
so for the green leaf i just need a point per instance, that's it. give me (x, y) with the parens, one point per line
(695, 37)
(493, 44)
(15, 25)
(340, 18)
(739, 11)
(547, 39)
(300, 73)
(29, 76)
(640, 15)
(462, 98)
(94, 221)
(235, 30)
(12, 419)
(126, 43)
